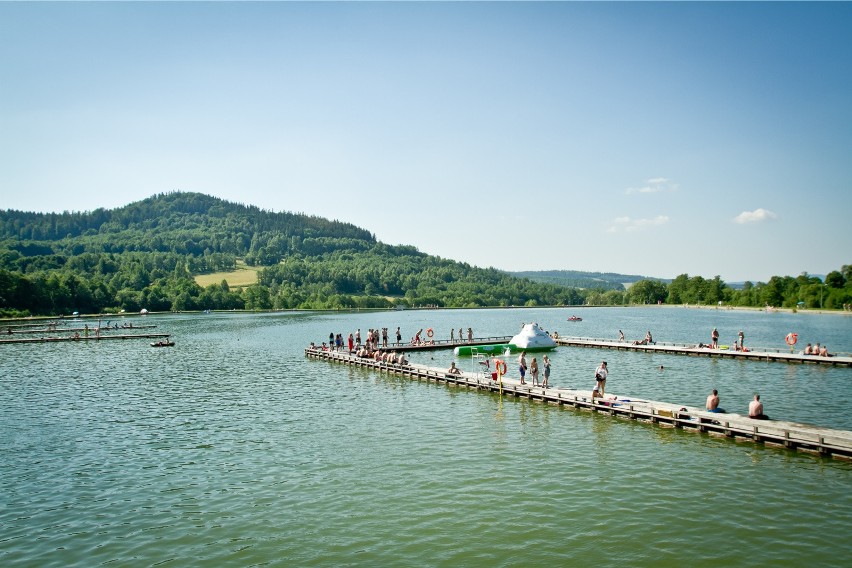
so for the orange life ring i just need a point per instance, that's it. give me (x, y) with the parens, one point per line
(429, 332)
(791, 338)
(500, 366)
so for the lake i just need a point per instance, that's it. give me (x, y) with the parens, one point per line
(234, 449)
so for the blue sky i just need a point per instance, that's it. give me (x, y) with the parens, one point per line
(641, 138)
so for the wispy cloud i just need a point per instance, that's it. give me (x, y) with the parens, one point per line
(755, 216)
(654, 185)
(629, 225)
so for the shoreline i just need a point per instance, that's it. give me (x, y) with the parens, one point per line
(7, 320)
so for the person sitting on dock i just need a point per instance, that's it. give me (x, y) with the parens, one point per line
(713, 402)
(808, 350)
(453, 370)
(755, 409)
(823, 351)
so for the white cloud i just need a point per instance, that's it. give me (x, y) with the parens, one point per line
(653, 185)
(627, 224)
(755, 216)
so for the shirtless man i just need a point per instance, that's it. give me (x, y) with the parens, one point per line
(453, 370)
(713, 402)
(755, 409)
(522, 365)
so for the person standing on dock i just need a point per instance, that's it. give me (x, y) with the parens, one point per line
(600, 379)
(740, 340)
(620, 335)
(522, 365)
(546, 364)
(714, 338)
(534, 371)
(398, 336)
(470, 334)
(452, 334)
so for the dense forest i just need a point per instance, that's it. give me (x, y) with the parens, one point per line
(147, 254)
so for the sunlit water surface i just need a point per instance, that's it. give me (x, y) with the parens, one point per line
(233, 449)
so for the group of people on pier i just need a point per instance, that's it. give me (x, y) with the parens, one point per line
(819, 350)
(381, 338)
(367, 351)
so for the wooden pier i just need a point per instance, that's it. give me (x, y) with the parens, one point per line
(446, 344)
(791, 435)
(91, 337)
(758, 354)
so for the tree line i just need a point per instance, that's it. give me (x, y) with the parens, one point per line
(146, 255)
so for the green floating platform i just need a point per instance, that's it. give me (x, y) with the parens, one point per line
(496, 349)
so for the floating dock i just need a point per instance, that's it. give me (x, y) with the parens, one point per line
(92, 337)
(791, 435)
(59, 329)
(429, 344)
(758, 354)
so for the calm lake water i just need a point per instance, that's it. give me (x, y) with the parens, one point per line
(233, 449)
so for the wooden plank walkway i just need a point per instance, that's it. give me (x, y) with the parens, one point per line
(791, 435)
(759, 354)
(59, 329)
(446, 344)
(92, 337)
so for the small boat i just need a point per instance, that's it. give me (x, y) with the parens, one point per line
(575, 318)
(163, 344)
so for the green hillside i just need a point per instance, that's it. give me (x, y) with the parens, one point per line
(147, 255)
(152, 254)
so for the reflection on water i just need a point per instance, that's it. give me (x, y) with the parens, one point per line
(233, 448)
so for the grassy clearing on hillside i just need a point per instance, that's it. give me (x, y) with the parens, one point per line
(241, 277)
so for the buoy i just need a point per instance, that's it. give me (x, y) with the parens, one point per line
(791, 338)
(500, 366)
(429, 332)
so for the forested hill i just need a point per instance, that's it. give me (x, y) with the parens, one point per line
(182, 223)
(145, 255)
(578, 279)
(148, 254)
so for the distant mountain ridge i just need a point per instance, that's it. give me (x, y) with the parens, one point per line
(585, 280)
